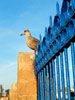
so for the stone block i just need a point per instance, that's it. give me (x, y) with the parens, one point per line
(13, 94)
(27, 83)
(4, 98)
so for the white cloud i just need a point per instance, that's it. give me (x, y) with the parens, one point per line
(8, 66)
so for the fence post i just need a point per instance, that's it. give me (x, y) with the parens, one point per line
(51, 81)
(39, 90)
(58, 78)
(42, 74)
(62, 76)
(67, 73)
(45, 84)
(48, 86)
(73, 63)
(54, 79)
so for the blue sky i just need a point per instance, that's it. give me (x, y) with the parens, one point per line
(15, 17)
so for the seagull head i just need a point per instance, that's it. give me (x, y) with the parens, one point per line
(25, 32)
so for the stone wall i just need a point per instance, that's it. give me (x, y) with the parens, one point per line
(26, 87)
(4, 98)
(27, 84)
(13, 94)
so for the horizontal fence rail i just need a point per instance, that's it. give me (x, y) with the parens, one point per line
(55, 57)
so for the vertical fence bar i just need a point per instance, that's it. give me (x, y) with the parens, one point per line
(73, 63)
(51, 81)
(45, 88)
(39, 96)
(38, 87)
(42, 84)
(54, 80)
(48, 87)
(62, 76)
(58, 77)
(67, 73)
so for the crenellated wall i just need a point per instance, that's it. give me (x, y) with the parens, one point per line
(26, 87)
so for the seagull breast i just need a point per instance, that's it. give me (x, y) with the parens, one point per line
(31, 42)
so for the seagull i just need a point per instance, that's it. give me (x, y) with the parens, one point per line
(31, 41)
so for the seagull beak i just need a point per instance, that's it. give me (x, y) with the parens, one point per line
(21, 34)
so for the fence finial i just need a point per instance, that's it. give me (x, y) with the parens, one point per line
(50, 19)
(45, 31)
(73, 3)
(57, 8)
(68, 5)
(40, 37)
(37, 47)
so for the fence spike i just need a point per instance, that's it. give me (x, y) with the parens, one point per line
(50, 20)
(73, 3)
(68, 4)
(37, 45)
(57, 8)
(40, 37)
(45, 31)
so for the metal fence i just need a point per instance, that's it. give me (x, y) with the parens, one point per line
(55, 58)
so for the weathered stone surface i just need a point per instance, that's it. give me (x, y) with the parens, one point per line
(10, 95)
(27, 84)
(26, 87)
(4, 98)
(13, 94)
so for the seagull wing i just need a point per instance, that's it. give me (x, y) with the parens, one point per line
(34, 39)
(34, 42)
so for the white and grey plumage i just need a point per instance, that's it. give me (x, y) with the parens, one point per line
(31, 41)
